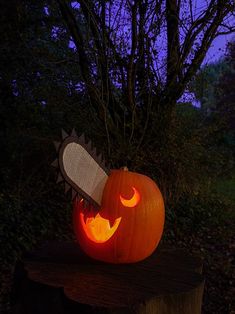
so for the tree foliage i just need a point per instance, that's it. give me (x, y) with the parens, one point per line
(214, 88)
(225, 104)
(204, 84)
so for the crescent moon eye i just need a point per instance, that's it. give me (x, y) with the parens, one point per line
(133, 201)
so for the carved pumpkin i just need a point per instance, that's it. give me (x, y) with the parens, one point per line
(130, 223)
(118, 215)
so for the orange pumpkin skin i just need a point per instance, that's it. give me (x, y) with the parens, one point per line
(140, 228)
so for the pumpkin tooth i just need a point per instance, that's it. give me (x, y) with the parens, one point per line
(87, 215)
(64, 134)
(111, 222)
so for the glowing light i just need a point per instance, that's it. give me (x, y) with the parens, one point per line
(98, 229)
(133, 201)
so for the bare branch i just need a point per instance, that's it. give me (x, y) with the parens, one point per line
(195, 29)
(208, 37)
(173, 50)
(78, 40)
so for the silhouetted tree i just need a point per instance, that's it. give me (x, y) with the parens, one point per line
(204, 85)
(136, 59)
(225, 104)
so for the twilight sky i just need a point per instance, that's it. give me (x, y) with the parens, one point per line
(216, 51)
(218, 48)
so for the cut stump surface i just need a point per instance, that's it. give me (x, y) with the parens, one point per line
(59, 278)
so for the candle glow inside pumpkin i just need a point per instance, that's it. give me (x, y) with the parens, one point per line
(129, 224)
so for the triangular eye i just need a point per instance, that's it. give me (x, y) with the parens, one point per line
(133, 201)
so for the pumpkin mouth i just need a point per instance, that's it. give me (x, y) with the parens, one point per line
(98, 229)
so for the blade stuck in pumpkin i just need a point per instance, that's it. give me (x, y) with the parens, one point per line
(81, 168)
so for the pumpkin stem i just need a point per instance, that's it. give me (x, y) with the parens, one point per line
(124, 168)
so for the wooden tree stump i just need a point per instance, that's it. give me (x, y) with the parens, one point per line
(59, 278)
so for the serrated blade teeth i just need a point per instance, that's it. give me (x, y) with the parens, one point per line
(74, 194)
(112, 222)
(67, 187)
(100, 158)
(64, 134)
(57, 145)
(59, 178)
(82, 139)
(55, 163)
(89, 146)
(73, 133)
(94, 151)
(73, 183)
(77, 198)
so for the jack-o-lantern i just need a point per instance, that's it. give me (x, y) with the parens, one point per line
(118, 215)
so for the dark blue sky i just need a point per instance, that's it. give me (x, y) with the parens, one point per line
(218, 47)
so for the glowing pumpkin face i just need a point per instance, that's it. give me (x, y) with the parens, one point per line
(118, 215)
(130, 223)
